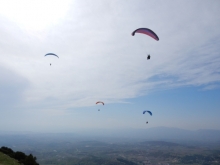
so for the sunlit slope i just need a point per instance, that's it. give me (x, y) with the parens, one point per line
(6, 160)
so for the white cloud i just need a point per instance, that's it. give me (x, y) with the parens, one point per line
(100, 60)
(36, 14)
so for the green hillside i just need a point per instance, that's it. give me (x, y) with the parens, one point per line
(6, 160)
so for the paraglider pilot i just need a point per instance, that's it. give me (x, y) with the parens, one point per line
(148, 57)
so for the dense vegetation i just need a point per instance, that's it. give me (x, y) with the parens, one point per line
(20, 156)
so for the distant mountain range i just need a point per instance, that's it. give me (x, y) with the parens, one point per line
(108, 135)
(159, 133)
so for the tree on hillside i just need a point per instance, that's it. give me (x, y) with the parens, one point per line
(20, 156)
(30, 160)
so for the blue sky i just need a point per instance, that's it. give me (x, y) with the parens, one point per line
(100, 60)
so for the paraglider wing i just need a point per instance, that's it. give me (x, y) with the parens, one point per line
(100, 102)
(147, 32)
(148, 112)
(51, 54)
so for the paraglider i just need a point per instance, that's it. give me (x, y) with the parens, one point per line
(52, 55)
(100, 102)
(147, 32)
(149, 113)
